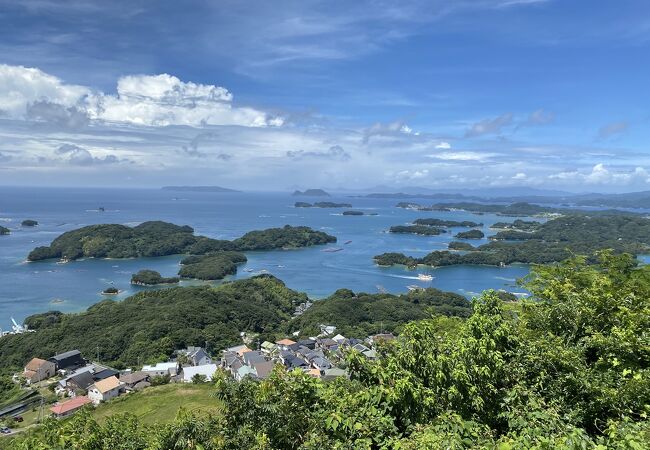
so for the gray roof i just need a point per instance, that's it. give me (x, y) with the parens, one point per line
(65, 355)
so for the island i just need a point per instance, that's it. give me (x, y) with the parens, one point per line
(198, 189)
(553, 241)
(521, 225)
(157, 238)
(322, 205)
(447, 223)
(417, 229)
(311, 193)
(461, 246)
(211, 266)
(111, 291)
(353, 213)
(4, 231)
(471, 234)
(29, 223)
(151, 278)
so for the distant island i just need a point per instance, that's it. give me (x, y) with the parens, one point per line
(447, 223)
(461, 246)
(322, 205)
(311, 193)
(198, 189)
(4, 231)
(553, 241)
(353, 213)
(29, 223)
(110, 291)
(157, 238)
(417, 229)
(471, 234)
(151, 278)
(520, 225)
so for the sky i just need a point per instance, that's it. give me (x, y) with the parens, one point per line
(279, 95)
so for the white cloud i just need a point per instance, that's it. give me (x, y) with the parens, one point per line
(489, 126)
(387, 129)
(148, 100)
(601, 176)
(462, 156)
(520, 176)
(443, 145)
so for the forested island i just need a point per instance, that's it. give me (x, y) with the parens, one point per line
(29, 223)
(147, 277)
(4, 230)
(432, 222)
(521, 225)
(417, 229)
(353, 213)
(310, 193)
(461, 246)
(160, 239)
(471, 234)
(211, 266)
(515, 209)
(552, 241)
(111, 291)
(567, 370)
(322, 205)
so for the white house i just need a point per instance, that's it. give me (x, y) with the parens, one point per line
(160, 369)
(207, 369)
(105, 389)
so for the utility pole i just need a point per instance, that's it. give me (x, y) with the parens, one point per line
(98, 353)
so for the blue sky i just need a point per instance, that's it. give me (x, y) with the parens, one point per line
(275, 95)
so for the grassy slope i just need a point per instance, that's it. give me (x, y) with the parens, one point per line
(160, 404)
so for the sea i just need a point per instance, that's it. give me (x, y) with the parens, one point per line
(33, 287)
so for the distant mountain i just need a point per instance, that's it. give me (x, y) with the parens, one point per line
(198, 189)
(639, 199)
(311, 193)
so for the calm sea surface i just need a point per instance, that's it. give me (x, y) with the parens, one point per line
(28, 288)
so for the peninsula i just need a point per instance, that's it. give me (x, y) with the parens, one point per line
(311, 193)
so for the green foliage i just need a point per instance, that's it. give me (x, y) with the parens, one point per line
(521, 225)
(417, 229)
(149, 326)
(43, 320)
(553, 241)
(568, 370)
(361, 315)
(4, 230)
(213, 266)
(447, 223)
(161, 238)
(471, 234)
(462, 246)
(151, 278)
(29, 223)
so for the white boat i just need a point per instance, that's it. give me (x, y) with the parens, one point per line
(425, 277)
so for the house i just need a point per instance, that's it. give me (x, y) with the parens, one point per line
(135, 381)
(197, 356)
(284, 344)
(68, 408)
(381, 337)
(326, 330)
(161, 369)
(207, 370)
(239, 349)
(243, 372)
(327, 344)
(268, 348)
(333, 373)
(309, 343)
(79, 382)
(68, 360)
(250, 358)
(321, 364)
(104, 373)
(38, 370)
(313, 372)
(105, 390)
(340, 339)
(264, 369)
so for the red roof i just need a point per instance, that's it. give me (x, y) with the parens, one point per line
(70, 405)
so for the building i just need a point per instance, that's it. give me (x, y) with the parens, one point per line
(105, 390)
(135, 381)
(197, 356)
(102, 374)
(263, 369)
(68, 360)
(284, 344)
(68, 408)
(161, 369)
(207, 369)
(239, 349)
(38, 370)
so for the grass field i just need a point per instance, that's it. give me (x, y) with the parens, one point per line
(160, 404)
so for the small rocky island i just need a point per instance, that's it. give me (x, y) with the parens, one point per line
(151, 278)
(423, 230)
(311, 193)
(4, 231)
(110, 291)
(211, 266)
(29, 223)
(353, 213)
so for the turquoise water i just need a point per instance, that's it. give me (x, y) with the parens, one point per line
(28, 288)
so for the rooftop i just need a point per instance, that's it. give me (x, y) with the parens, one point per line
(108, 384)
(70, 405)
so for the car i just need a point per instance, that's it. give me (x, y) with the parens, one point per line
(18, 418)
(5, 430)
